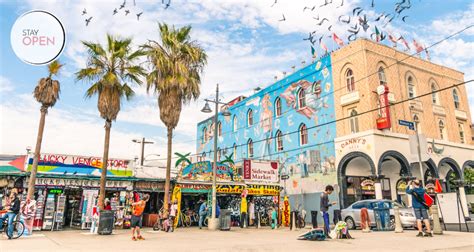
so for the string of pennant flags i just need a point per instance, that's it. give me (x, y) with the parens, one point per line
(378, 37)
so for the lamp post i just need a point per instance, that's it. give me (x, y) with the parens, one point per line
(142, 142)
(212, 224)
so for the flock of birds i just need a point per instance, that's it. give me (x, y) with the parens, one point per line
(355, 22)
(126, 11)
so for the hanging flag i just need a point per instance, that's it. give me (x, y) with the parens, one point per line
(313, 52)
(407, 47)
(323, 46)
(392, 38)
(438, 188)
(418, 47)
(378, 36)
(337, 39)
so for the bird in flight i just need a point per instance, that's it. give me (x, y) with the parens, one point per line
(372, 4)
(348, 20)
(274, 3)
(364, 23)
(309, 8)
(283, 19)
(342, 4)
(138, 15)
(358, 10)
(115, 11)
(403, 18)
(127, 12)
(322, 21)
(88, 20)
(122, 5)
(84, 12)
(167, 4)
(326, 2)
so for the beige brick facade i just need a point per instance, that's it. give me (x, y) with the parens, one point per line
(364, 58)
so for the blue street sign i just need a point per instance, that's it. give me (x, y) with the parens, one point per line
(410, 125)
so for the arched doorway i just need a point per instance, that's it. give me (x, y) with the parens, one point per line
(449, 173)
(468, 175)
(356, 171)
(395, 170)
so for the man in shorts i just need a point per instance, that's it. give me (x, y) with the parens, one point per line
(137, 214)
(421, 211)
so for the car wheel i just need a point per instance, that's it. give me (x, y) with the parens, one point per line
(350, 223)
(392, 222)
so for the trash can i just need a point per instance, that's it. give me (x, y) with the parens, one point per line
(382, 217)
(314, 218)
(225, 219)
(106, 222)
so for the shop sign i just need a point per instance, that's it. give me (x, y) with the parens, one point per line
(80, 165)
(202, 171)
(80, 183)
(263, 190)
(383, 122)
(235, 189)
(367, 185)
(352, 144)
(195, 188)
(149, 186)
(261, 171)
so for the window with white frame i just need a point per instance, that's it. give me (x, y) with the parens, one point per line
(234, 124)
(301, 98)
(250, 117)
(204, 134)
(382, 78)
(456, 99)
(303, 134)
(411, 87)
(354, 121)
(442, 129)
(235, 151)
(434, 93)
(250, 148)
(350, 83)
(461, 132)
(219, 128)
(278, 107)
(279, 141)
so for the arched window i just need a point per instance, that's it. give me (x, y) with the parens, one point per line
(219, 129)
(250, 118)
(382, 79)
(461, 132)
(434, 93)
(303, 134)
(204, 135)
(411, 87)
(278, 106)
(279, 141)
(350, 83)
(234, 148)
(250, 148)
(301, 98)
(456, 98)
(234, 124)
(354, 121)
(441, 129)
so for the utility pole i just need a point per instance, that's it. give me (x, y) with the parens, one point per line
(422, 175)
(142, 154)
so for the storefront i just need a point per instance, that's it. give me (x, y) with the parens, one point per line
(155, 188)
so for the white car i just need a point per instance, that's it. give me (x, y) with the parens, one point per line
(351, 215)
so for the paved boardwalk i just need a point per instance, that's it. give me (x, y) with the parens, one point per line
(193, 239)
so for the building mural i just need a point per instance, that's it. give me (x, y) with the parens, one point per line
(305, 102)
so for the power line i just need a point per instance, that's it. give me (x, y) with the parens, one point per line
(336, 120)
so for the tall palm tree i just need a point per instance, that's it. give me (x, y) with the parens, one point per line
(177, 63)
(46, 93)
(110, 70)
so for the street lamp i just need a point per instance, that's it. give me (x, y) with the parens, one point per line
(142, 142)
(212, 224)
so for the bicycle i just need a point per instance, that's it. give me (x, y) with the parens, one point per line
(18, 227)
(300, 219)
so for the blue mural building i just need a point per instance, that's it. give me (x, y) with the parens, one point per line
(287, 122)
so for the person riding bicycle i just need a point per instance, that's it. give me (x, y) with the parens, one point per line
(12, 211)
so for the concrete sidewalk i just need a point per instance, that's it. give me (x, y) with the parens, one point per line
(193, 239)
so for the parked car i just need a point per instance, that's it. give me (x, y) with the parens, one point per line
(351, 215)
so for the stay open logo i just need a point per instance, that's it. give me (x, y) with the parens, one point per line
(38, 37)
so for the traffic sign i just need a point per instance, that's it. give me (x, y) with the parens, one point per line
(410, 125)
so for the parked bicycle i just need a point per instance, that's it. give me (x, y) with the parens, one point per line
(18, 227)
(300, 218)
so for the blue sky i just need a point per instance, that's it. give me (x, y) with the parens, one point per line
(246, 44)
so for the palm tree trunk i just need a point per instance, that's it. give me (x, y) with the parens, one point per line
(168, 170)
(105, 159)
(39, 140)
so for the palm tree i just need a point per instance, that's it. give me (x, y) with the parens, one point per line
(182, 158)
(110, 71)
(46, 93)
(177, 63)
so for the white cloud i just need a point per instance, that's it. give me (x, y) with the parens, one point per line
(5, 85)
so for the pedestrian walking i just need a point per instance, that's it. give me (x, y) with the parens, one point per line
(202, 212)
(419, 206)
(12, 210)
(324, 207)
(173, 212)
(137, 214)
